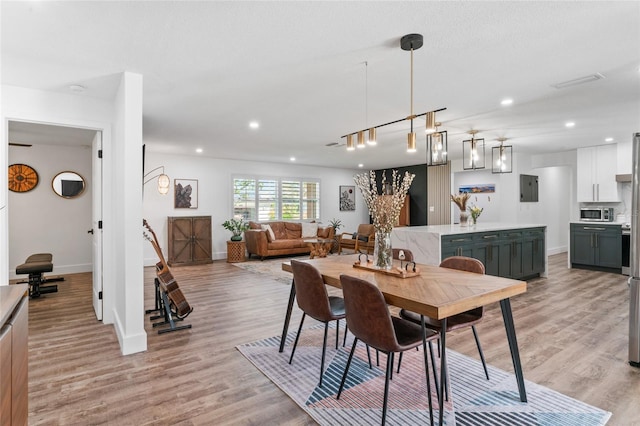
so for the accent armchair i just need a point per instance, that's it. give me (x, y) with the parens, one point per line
(363, 240)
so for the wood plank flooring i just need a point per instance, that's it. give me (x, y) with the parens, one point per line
(572, 332)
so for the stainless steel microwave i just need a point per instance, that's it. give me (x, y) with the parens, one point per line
(596, 214)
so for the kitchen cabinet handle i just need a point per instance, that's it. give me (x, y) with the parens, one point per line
(490, 236)
(596, 240)
(591, 240)
(458, 240)
(593, 192)
(592, 228)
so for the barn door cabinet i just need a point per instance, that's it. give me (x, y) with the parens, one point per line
(189, 240)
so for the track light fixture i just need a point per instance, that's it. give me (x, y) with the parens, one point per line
(409, 42)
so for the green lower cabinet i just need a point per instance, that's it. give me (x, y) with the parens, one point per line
(510, 254)
(598, 246)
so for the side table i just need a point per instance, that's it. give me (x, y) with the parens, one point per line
(236, 251)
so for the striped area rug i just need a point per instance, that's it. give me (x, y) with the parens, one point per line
(473, 401)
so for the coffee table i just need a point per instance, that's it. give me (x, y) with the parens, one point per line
(319, 246)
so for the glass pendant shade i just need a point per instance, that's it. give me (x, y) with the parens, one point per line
(437, 149)
(502, 159)
(473, 154)
(163, 184)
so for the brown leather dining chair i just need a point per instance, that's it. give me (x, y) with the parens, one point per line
(314, 301)
(466, 319)
(370, 321)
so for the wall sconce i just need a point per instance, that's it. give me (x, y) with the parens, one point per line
(502, 158)
(473, 152)
(437, 147)
(163, 180)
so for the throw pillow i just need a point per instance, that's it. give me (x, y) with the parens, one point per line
(270, 235)
(364, 238)
(309, 230)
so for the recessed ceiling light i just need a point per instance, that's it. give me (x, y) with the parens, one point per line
(361, 165)
(199, 150)
(569, 124)
(506, 102)
(77, 88)
(254, 124)
(292, 158)
(608, 140)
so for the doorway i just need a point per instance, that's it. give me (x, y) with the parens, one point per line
(43, 220)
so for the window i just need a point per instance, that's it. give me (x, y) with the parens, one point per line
(264, 199)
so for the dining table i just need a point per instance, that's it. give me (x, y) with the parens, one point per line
(431, 291)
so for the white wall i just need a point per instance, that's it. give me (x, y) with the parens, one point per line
(40, 221)
(122, 202)
(556, 195)
(215, 195)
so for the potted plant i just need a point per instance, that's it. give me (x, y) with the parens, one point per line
(237, 226)
(335, 224)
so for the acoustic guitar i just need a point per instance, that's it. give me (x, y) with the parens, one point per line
(180, 306)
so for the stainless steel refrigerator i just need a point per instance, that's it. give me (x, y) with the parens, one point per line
(634, 280)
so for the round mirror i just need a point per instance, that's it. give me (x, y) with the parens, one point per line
(68, 184)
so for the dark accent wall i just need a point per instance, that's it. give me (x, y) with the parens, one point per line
(417, 191)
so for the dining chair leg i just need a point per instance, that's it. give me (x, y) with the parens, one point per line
(346, 369)
(386, 386)
(346, 330)
(295, 344)
(337, 332)
(484, 364)
(324, 350)
(377, 358)
(399, 362)
(391, 354)
(369, 357)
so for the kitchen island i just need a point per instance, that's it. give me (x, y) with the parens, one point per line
(507, 250)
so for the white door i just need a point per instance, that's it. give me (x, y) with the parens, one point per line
(96, 222)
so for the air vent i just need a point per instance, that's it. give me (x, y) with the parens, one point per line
(335, 144)
(577, 81)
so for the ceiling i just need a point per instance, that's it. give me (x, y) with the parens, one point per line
(310, 72)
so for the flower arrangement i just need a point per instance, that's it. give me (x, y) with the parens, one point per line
(461, 200)
(475, 213)
(384, 209)
(237, 226)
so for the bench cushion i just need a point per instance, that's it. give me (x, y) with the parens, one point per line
(34, 268)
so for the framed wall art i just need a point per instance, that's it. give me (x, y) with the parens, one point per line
(347, 198)
(185, 193)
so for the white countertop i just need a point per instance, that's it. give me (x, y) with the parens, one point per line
(457, 229)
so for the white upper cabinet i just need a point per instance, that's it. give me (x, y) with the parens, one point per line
(597, 168)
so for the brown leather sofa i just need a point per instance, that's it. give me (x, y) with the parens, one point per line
(288, 238)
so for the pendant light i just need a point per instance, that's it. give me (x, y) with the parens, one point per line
(437, 147)
(473, 152)
(502, 157)
(409, 42)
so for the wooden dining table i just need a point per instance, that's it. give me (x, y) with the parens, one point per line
(434, 292)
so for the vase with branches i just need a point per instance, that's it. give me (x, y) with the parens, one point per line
(460, 200)
(384, 209)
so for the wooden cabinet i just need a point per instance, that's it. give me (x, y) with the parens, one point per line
(598, 246)
(14, 356)
(189, 240)
(518, 253)
(597, 174)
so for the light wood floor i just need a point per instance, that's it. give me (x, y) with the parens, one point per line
(572, 332)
